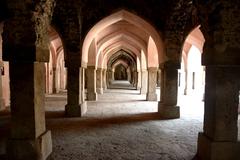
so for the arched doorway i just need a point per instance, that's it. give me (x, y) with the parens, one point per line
(192, 75)
(122, 31)
(55, 68)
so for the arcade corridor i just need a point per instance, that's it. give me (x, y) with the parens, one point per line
(119, 79)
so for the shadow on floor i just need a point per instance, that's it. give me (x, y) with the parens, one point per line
(87, 121)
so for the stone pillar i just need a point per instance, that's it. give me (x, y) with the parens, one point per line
(1, 67)
(169, 92)
(135, 79)
(158, 78)
(54, 88)
(74, 107)
(139, 80)
(152, 82)
(104, 77)
(109, 77)
(219, 139)
(113, 77)
(29, 138)
(99, 81)
(25, 47)
(1, 88)
(82, 88)
(129, 77)
(91, 84)
(193, 80)
(144, 82)
(186, 83)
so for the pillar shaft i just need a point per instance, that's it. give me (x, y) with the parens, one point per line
(74, 106)
(220, 132)
(158, 78)
(135, 73)
(169, 92)
(91, 84)
(27, 113)
(152, 82)
(139, 80)
(82, 85)
(104, 76)
(99, 80)
(54, 87)
(1, 88)
(109, 77)
(113, 77)
(144, 82)
(186, 83)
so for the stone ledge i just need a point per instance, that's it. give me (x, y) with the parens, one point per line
(211, 150)
(168, 112)
(30, 149)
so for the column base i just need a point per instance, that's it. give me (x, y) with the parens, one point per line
(92, 96)
(34, 149)
(100, 90)
(76, 110)
(151, 97)
(211, 150)
(168, 112)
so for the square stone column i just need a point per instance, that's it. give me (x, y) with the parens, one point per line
(91, 84)
(113, 77)
(74, 107)
(135, 76)
(219, 139)
(1, 88)
(152, 83)
(139, 80)
(169, 92)
(82, 85)
(54, 87)
(99, 81)
(109, 77)
(29, 138)
(144, 82)
(159, 78)
(104, 76)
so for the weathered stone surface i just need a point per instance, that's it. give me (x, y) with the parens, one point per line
(91, 85)
(27, 100)
(19, 45)
(74, 92)
(104, 76)
(144, 81)
(169, 90)
(221, 110)
(217, 150)
(76, 111)
(221, 31)
(34, 149)
(99, 80)
(152, 82)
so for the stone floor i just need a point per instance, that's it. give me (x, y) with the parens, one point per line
(121, 125)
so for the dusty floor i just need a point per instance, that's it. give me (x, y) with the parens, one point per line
(121, 125)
